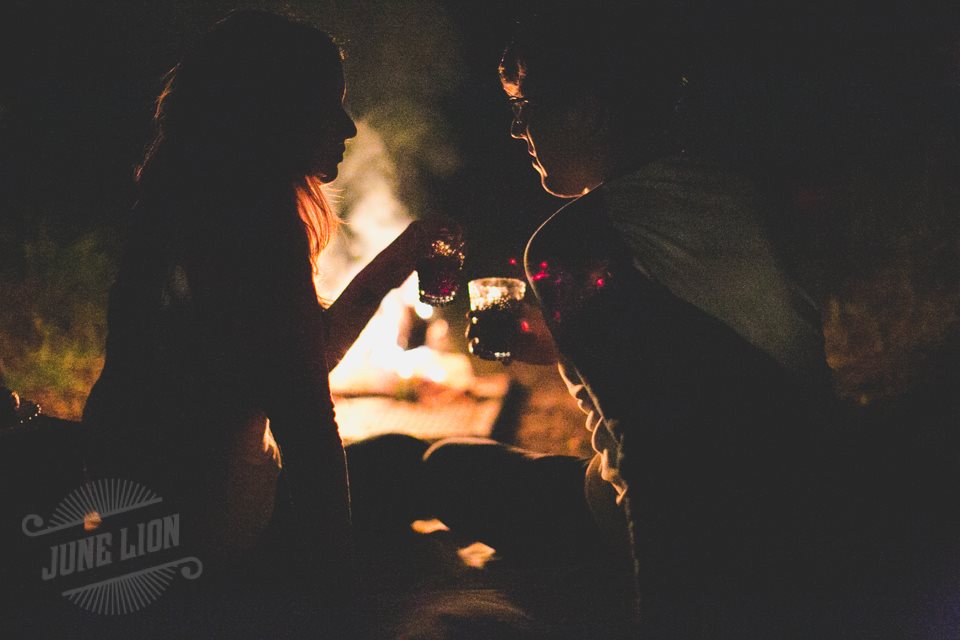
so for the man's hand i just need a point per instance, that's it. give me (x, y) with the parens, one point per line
(534, 344)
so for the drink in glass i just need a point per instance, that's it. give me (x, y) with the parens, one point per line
(438, 272)
(495, 308)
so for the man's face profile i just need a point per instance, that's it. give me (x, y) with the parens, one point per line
(560, 137)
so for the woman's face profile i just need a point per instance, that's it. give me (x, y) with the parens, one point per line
(327, 127)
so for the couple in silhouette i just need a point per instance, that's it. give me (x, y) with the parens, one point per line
(696, 358)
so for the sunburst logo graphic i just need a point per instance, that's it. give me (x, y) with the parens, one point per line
(114, 544)
(133, 591)
(90, 503)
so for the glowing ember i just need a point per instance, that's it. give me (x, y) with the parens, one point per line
(428, 526)
(477, 555)
(92, 521)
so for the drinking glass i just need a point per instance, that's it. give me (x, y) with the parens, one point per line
(438, 272)
(495, 308)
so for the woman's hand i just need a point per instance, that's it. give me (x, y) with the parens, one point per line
(534, 344)
(417, 239)
(351, 311)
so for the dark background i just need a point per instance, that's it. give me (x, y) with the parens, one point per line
(858, 111)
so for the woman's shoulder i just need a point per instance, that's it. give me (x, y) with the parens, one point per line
(218, 223)
(224, 246)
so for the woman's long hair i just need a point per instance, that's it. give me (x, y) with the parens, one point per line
(234, 115)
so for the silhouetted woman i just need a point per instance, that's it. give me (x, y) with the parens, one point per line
(217, 343)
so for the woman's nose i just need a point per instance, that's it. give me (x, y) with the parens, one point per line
(350, 128)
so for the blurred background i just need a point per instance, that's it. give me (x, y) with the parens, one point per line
(868, 104)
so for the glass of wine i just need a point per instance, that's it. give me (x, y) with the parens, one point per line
(495, 308)
(438, 272)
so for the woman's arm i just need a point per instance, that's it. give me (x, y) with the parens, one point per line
(280, 356)
(351, 311)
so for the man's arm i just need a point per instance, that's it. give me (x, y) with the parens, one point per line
(703, 425)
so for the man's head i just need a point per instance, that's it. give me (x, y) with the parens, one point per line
(592, 92)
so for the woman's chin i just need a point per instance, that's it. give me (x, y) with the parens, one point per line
(325, 174)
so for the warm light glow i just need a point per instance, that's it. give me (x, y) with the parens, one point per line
(373, 216)
(428, 526)
(92, 521)
(405, 370)
(376, 362)
(489, 292)
(444, 248)
(374, 219)
(424, 311)
(477, 555)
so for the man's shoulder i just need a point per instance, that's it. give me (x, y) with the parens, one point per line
(567, 233)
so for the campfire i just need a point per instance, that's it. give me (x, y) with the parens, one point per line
(401, 374)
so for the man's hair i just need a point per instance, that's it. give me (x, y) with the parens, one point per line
(626, 55)
(706, 77)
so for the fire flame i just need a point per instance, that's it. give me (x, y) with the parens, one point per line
(374, 218)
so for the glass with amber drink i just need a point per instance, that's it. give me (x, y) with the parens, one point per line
(495, 310)
(438, 272)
